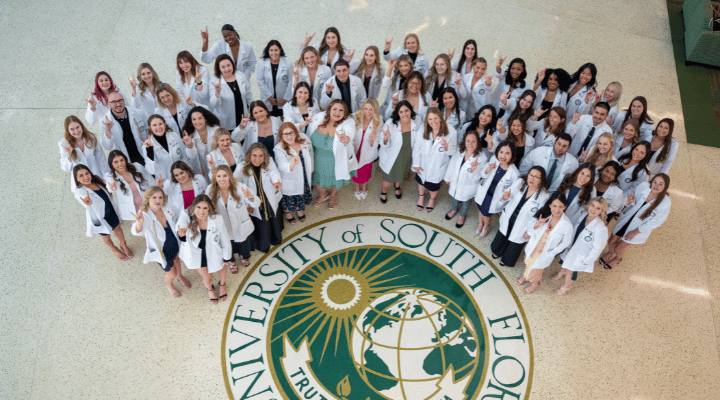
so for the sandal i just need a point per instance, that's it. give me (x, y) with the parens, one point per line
(608, 266)
(421, 202)
(291, 219)
(176, 293)
(320, 200)
(212, 290)
(301, 218)
(448, 217)
(186, 283)
(223, 297)
(562, 290)
(381, 197)
(245, 263)
(333, 202)
(233, 268)
(428, 208)
(397, 189)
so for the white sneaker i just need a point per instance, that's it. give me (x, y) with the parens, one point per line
(358, 195)
(364, 195)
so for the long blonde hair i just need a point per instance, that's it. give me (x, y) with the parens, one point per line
(308, 49)
(247, 165)
(141, 83)
(432, 76)
(150, 192)
(604, 208)
(214, 192)
(88, 137)
(376, 120)
(216, 137)
(596, 158)
(417, 39)
(618, 93)
(378, 67)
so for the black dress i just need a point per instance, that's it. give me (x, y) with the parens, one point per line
(268, 228)
(239, 107)
(170, 249)
(110, 216)
(501, 245)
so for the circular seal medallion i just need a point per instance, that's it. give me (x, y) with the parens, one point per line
(375, 307)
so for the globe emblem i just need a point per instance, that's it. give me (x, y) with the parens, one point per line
(407, 341)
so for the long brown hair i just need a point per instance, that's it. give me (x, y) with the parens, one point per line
(427, 134)
(433, 76)
(644, 118)
(396, 71)
(423, 87)
(326, 121)
(561, 126)
(141, 83)
(136, 176)
(194, 64)
(324, 46)
(660, 197)
(586, 190)
(247, 165)
(662, 156)
(298, 139)
(378, 67)
(95, 179)
(88, 137)
(215, 188)
(193, 226)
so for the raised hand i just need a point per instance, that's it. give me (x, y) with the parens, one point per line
(159, 181)
(329, 87)
(434, 103)
(500, 62)
(344, 139)
(182, 231)
(308, 38)
(91, 101)
(189, 101)
(386, 134)
(296, 75)
(204, 36)
(458, 79)
(500, 127)
(488, 80)
(108, 125)
(86, 200)
(576, 118)
(67, 148)
(187, 140)
(148, 142)
(541, 74)
(473, 166)
(504, 96)
(211, 162)
(295, 161)
(391, 64)
(139, 217)
(349, 55)
(277, 185)
(600, 96)
(395, 99)
(589, 95)
(506, 194)
(631, 198)
(111, 185)
(388, 43)
(451, 54)
(218, 86)
(246, 192)
(133, 83)
(490, 168)
(198, 78)
(373, 136)
(444, 143)
(244, 122)
(583, 155)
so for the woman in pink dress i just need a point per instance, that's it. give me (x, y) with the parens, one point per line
(370, 123)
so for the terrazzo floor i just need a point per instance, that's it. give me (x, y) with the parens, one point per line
(78, 323)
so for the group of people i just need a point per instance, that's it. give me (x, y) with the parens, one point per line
(204, 171)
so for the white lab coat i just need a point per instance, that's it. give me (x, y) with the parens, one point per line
(139, 131)
(654, 220)
(249, 134)
(344, 153)
(614, 197)
(656, 167)
(389, 151)
(125, 203)
(241, 225)
(145, 101)
(507, 180)
(224, 106)
(95, 212)
(625, 181)
(586, 250)
(466, 67)
(645, 127)
(420, 111)
(463, 182)
(542, 139)
(503, 87)
(283, 82)
(293, 114)
(558, 240)
(322, 74)
(245, 62)
(421, 64)
(175, 194)
(163, 159)
(154, 234)
(575, 208)
(293, 181)
(389, 91)
(189, 88)
(475, 96)
(200, 150)
(529, 144)
(619, 151)
(217, 244)
(559, 101)
(579, 133)
(541, 156)
(447, 84)
(375, 78)
(93, 158)
(101, 109)
(454, 121)
(431, 156)
(368, 152)
(357, 93)
(183, 113)
(267, 178)
(324, 57)
(526, 213)
(217, 156)
(576, 103)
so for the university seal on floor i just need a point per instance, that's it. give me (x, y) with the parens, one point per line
(371, 307)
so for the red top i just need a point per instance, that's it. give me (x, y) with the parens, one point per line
(188, 197)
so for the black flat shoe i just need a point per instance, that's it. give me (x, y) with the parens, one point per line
(397, 189)
(381, 197)
(495, 257)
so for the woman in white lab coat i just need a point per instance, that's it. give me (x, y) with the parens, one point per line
(332, 135)
(578, 188)
(441, 76)
(648, 207)
(232, 200)
(97, 105)
(610, 95)
(143, 90)
(601, 153)
(311, 71)
(129, 183)
(397, 73)
(478, 88)
(182, 187)
(399, 135)
(370, 71)
(301, 108)
(512, 80)
(450, 107)
(163, 147)
(261, 127)
(261, 175)
(100, 210)
(205, 244)
(230, 95)
(498, 174)
(581, 89)
(550, 128)
(551, 86)
(606, 186)
(157, 224)
(274, 77)
(415, 92)
(463, 176)
(627, 137)
(172, 108)
(330, 49)
(240, 52)
(638, 110)
(368, 125)
(410, 47)
(294, 158)
(463, 65)
(522, 105)
(519, 204)
(224, 151)
(548, 234)
(431, 156)
(80, 146)
(663, 148)
(201, 126)
(516, 135)
(590, 235)
(634, 164)
(484, 123)
(192, 79)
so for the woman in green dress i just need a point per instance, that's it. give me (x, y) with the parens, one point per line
(335, 161)
(399, 134)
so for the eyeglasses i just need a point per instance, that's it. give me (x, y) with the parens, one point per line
(288, 134)
(414, 83)
(117, 101)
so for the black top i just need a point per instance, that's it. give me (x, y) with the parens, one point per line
(572, 192)
(580, 229)
(175, 117)
(545, 105)
(128, 138)
(344, 88)
(162, 140)
(239, 109)
(413, 56)
(438, 91)
(366, 83)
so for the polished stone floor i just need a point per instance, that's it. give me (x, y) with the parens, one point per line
(78, 323)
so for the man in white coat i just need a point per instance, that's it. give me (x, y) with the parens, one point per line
(345, 87)
(125, 129)
(586, 129)
(556, 161)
